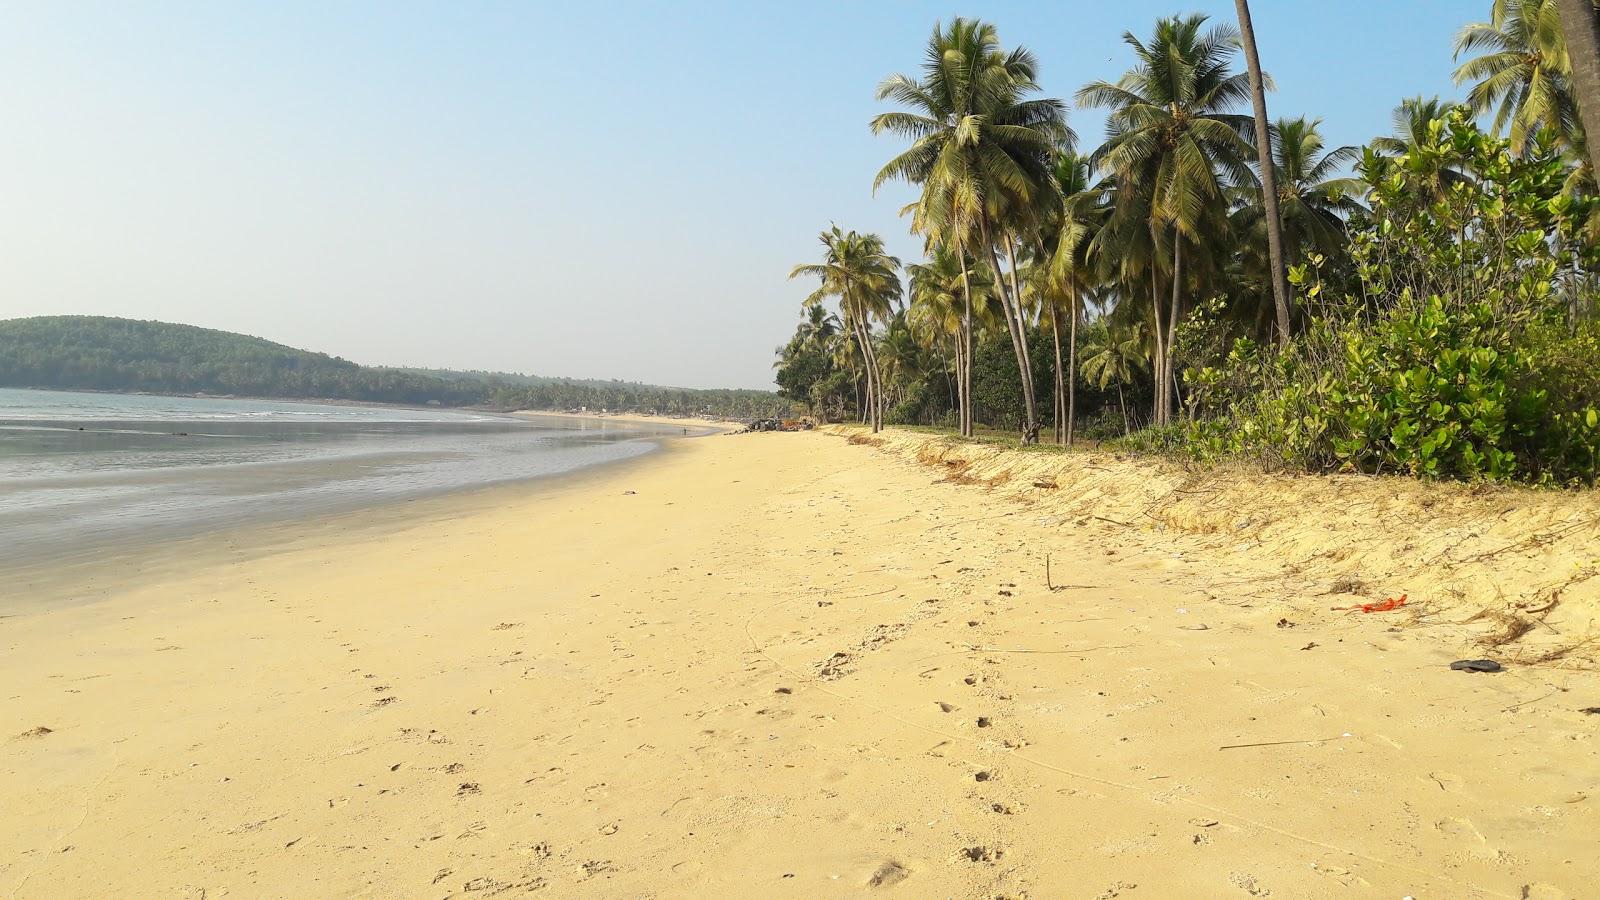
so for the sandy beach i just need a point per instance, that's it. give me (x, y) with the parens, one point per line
(775, 665)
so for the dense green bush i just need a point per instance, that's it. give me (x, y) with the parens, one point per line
(1456, 355)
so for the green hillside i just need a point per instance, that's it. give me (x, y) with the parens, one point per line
(106, 354)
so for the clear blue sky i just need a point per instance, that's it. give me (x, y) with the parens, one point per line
(611, 189)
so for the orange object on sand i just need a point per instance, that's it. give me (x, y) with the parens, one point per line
(1380, 606)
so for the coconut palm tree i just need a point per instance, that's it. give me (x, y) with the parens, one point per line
(944, 296)
(1175, 142)
(980, 151)
(1523, 70)
(818, 326)
(1314, 197)
(1112, 355)
(1069, 271)
(1269, 187)
(866, 279)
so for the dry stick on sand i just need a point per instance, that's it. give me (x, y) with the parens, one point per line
(974, 648)
(1047, 583)
(1279, 743)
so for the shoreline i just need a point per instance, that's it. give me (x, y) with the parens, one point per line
(630, 419)
(105, 570)
(785, 666)
(634, 418)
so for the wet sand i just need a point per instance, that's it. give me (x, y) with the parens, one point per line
(768, 665)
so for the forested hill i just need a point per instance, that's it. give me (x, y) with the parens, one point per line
(107, 354)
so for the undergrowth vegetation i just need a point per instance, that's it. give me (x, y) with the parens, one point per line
(1453, 345)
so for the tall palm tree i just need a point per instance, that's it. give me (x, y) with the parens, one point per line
(1580, 25)
(866, 279)
(944, 295)
(1522, 73)
(1269, 187)
(1174, 141)
(980, 150)
(1070, 272)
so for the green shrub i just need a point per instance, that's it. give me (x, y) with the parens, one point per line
(1456, 358)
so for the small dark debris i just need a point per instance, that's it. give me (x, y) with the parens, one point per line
(1475, 665)
(983, 722)
(1285, 623)
(784, 690)
(1591, 710)
(982, 854)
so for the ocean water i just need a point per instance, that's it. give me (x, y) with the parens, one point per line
(82, 473)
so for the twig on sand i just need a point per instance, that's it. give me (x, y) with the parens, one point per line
(969, 521)
(974, 648)
(1047, 582)
(1279, 743)
(1113, 521)
(1534, 700)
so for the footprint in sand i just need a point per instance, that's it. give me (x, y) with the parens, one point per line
(890, 873)
(1248, 884)
(980, 853)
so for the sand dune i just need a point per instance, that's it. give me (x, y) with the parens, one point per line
(775, 665)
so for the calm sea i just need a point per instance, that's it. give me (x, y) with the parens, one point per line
(80, 473)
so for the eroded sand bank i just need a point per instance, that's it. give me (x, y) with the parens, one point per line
(772, 665)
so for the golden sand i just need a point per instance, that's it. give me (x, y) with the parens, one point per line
(779, 665)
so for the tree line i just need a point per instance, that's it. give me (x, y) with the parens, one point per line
(1205, 258)
(108, 354)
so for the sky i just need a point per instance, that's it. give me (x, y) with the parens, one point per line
(598, 190)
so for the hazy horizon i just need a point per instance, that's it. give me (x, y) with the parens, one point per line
(610, 192)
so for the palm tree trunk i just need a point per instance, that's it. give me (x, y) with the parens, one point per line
(874, 377)
(1029, 413)
(1058, 414)
(1072, 367)
(1122, 403)
(1172, 324)
(1582, 31)
(1031, 430)
(964, 377)
(963, 389)
(944, 367)
(1158, 355)
(861, 408)
(1269, 180)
